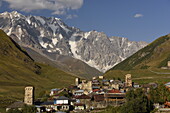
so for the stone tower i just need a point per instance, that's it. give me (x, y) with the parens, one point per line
(77, 81)
(29, 95)
(128, 80)
(89, 86)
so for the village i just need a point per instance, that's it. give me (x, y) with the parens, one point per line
(87, 95)
(84, 96)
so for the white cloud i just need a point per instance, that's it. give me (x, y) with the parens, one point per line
(57, 6)
(59, 12)
(71, 16)
(138, 15)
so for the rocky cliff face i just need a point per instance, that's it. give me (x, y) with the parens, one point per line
(51, 38)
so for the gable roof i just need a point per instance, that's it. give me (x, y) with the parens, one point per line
(62, 98)
(56, 89)
(48, 103)
(79, 91)
(167, 83)
(95, 87)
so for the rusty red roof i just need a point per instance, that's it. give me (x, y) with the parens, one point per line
(167, 104)
(95, 90)
(114, 91)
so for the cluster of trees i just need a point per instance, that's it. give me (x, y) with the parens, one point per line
(141, 101)
(161, 94)
(137, 102)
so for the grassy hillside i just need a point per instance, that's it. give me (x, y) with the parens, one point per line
(146, 63)
(155, 54)
(66, 63)
(18, 70)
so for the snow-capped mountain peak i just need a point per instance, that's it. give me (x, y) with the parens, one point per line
(51, 37)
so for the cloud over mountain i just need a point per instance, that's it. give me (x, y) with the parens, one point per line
(138, 15)
(71, 16)
(58, 7)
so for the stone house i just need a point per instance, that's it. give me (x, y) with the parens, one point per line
(98, 97)
(168, 64)
(167, 104)
(62, 104)
(96, 87)
(49, 105)
(114, 86)
(54, 91)
(167, 85)
(136, 85)
(79, 106)
(114, 96)
(101, 77)
(86, 85)
(99, 101)
(83, 99)
(78, 92)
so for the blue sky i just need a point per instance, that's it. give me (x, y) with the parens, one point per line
(137, 20)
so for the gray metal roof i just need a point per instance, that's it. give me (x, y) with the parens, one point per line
(48, 103)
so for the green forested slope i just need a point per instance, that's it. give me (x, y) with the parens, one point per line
(155, 54)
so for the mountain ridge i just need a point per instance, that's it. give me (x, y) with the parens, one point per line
(149, 64)
(52, 37)
(146, 55)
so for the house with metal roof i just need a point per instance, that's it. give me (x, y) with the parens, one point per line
(62, 104)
